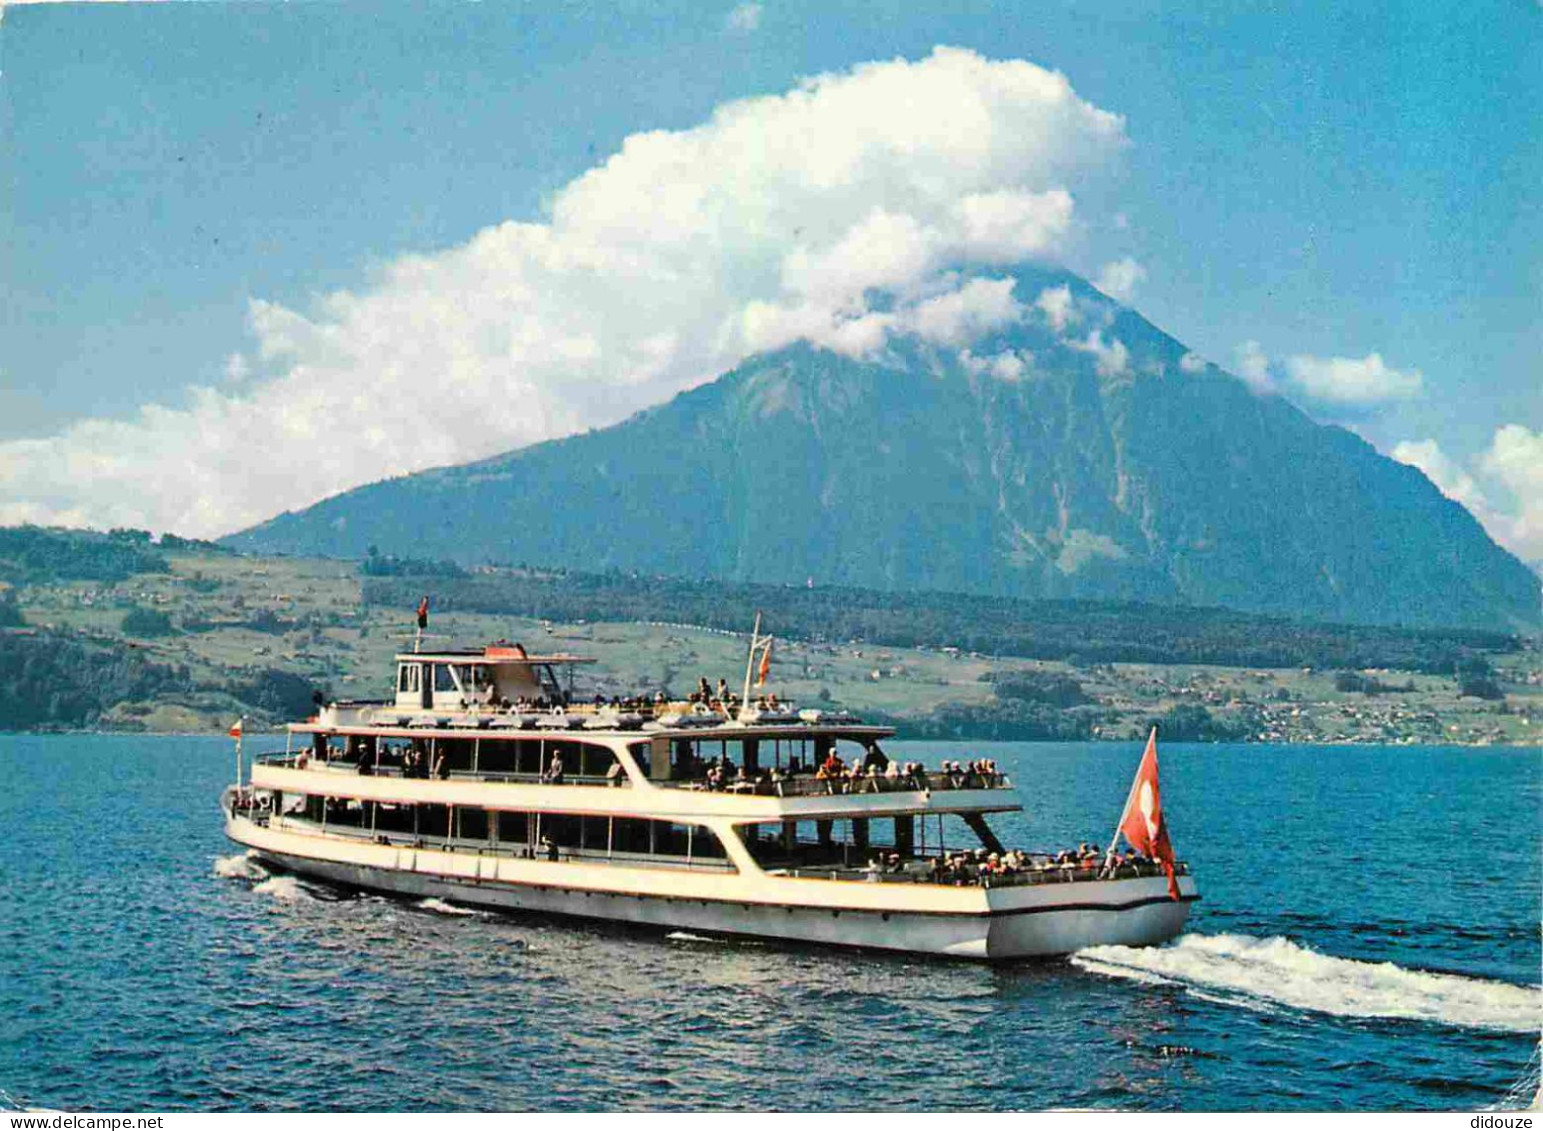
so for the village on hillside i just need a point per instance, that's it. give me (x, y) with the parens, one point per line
(211, 634)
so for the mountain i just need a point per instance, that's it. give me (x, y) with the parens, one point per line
(1077, 451)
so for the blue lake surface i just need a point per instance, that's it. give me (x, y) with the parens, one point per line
(1368, 940)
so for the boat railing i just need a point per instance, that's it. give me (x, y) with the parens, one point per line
(781, 785)
(917, 872)
(303, 761)
(813, 785)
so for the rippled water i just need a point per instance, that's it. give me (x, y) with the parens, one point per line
(1369, 939)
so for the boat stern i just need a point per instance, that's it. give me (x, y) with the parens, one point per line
(1065, 918)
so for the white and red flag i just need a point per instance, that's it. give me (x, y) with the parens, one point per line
(235, 731)
(1142, 822)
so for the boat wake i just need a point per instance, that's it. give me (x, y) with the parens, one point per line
(285, 888)
(440, 907)
(1263, 974)
(241, 866)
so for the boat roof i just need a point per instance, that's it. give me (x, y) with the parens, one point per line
(494, 654)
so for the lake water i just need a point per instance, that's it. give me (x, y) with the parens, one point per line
(1369, 939)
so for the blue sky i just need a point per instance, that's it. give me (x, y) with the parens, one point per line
(1340, 206)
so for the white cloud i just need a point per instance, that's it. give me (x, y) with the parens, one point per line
(653, 272)
(1058, 307)
(1515, 459)
(963, 315)
(1253, 366)
(1111, 358)
(1119, 279)
(1512, 465)
(1353, 380)
(1192, 363)
(1010, 225)
(1009, 365)
(744, 18)
(1450, 479)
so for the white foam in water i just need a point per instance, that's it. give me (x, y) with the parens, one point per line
(441, 907)
(286, 888)
(242, 866)
(1278, 971)
(687, 936)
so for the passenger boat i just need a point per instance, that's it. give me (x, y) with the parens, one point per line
(484, 783)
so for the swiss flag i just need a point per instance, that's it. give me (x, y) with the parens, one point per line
(423, 613)
(235, 731)
(1142, 822)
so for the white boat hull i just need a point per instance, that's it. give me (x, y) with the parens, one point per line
(1002, 923)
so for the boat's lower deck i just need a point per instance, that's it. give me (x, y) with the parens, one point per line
(973, 922)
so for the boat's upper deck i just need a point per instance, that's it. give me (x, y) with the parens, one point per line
(500, 716)
(845, 765)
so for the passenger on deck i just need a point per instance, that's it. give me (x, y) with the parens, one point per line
(554, 770)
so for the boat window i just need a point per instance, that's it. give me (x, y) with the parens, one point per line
(443, 680)
(638, 841)
(407, 679)
(471, 824)
(640, 752)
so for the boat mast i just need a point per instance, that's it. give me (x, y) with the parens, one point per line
(237, 730)
(755, 640)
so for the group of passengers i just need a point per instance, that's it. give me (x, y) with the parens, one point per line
(412, 761)
(983, 867)
(877, 772)
(408, 761)
(721, 699)
(873, 772)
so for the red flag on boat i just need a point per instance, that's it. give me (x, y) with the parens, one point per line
(235, 731)
(1142, 822)
(765, 666)
(423, 613)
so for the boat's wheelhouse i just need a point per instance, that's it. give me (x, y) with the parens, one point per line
(498, 676)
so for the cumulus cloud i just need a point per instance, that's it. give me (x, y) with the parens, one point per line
(744, 18)
(1515, 459)
(1009, 365)
(1353, 380)
(1253, 366)
(1511, 507)
(1192, 363)
(1119, 279)
(655, 271)
(1450, 479)
(961, 316)
(1058, 307)
(1110, 358)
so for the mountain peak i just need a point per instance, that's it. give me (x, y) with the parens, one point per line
(1017, 433)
